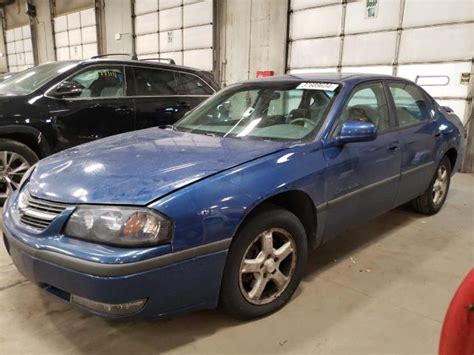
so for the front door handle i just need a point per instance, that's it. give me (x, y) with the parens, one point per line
(394, 146)
(437, 134)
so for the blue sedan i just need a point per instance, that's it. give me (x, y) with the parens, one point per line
(222, 208)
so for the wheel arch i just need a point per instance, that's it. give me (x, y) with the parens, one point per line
(452, 155)
(297, 202)
(31, 137)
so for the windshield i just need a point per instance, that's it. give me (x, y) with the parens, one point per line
(31, 79)
(289, 111)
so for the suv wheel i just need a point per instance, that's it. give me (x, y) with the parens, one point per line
(15, 159)
(265, 264)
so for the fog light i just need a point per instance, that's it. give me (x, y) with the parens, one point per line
(114, 309)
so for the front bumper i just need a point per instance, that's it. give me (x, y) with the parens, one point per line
(168, 286)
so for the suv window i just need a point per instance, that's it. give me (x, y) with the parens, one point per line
(101, 82)
(189, 84)
(154, 82)
(368, 104)
(410, 104)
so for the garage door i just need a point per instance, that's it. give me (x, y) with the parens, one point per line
(178, 29)
(435, 49)
(75, 35)
(19, 48)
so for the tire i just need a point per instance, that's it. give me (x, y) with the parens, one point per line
(20, 157)
(430, 203)
(287, 233)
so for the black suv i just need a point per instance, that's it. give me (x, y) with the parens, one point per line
(58, 105)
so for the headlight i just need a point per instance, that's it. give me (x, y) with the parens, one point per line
(122, 226)
(27, 175)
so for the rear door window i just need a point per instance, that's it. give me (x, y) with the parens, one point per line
(155, 82)
(410, 104)
(189, 84)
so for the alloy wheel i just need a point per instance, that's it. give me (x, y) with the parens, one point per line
(440, 185)
(12, 168)
(267, 266)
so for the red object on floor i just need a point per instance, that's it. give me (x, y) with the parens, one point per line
(264, 73)
(457, 335)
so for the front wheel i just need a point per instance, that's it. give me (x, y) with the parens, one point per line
(434, 197)
(15, 159)
(265, 264)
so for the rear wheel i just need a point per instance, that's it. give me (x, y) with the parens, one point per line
(265, 264)
(15, 159)
(434, 197)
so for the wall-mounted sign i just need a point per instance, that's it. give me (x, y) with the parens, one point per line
(371, 8)
(170, 36)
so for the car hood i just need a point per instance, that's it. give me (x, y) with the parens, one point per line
(139, 167)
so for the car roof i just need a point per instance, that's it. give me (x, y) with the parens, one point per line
(145, 62)
(335, 77)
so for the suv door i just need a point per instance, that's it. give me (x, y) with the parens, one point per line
(419, 139)
(362, 178)
(101, 109)
(163, 96)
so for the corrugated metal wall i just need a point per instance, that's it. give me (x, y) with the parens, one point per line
(425, 41)
(178, 29)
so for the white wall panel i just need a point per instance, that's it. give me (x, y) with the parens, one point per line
(147, 43)
(314, 53)
(386, 19)
(171, 41)
(375, 69)
(19, 46)
(147, 23)
(29, 59)
(27, 45)
(372, 48)
(201, 58)
(62, 53)
(75, 52)
(26, 32)
(458, 106)
(89, 50)
(75, 37)
(451, 70)
(318, 22)
(62, 39)
(60, 23)
(145, 6)
(88, 18)
(422, 12)
(171, 19)
(198, 37)
(167, 4)
(89, 35)
(10, 35)
(12, 60)
(18, 33)
(20, 59)
(312, 70)
(303, 4)
(11, 48)
(73, 21)
(198, 13)
(176, 56)
(440, 43)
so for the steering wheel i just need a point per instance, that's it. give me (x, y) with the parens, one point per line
(307, 123)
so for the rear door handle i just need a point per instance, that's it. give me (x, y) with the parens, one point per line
(184, 105)
(124, 110)
(437, 134)
(393, 147)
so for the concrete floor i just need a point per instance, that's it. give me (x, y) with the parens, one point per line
(381, 289)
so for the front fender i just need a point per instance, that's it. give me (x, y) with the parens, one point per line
(31, 132)
(214, 208)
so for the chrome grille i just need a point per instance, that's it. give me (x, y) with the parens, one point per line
(38, 213)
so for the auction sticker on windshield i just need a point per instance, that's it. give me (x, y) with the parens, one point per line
(318, 86)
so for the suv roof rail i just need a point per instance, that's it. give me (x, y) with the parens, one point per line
(169, 60)
(132, 56)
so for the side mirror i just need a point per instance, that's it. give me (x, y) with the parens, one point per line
(356, 131)
(67, 89)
